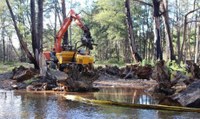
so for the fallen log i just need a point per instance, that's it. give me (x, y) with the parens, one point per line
(141, 106)
(190, 96)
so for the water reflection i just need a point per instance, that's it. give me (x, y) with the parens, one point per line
(127, 95)
(23, 105)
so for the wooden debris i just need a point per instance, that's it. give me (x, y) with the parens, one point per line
(144, 72)
(112, 70)
(193, 68)
(190, 96)
(56, 75)
(21, 73)
(162, 75)
(37, 87)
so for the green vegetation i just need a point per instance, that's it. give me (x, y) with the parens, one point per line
(28, 82)
(9, 66)
(107, 22)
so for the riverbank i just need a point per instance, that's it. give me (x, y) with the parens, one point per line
(153, 79)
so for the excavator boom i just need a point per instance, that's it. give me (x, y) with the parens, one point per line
(72, 16)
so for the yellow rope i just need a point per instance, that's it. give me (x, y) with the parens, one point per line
(142, 106)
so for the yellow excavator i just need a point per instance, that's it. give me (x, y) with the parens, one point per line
(65, 55)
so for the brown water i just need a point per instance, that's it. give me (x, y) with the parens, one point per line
(24, 105)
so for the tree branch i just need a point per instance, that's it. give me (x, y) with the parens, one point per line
(191, 11)
(193, 21)
(144, 3)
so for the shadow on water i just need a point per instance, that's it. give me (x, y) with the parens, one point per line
(26, 105)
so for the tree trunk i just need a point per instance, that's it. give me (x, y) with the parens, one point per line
(167, 30)
(20, 37)
(65, 39)
(13, 47)
(3, 39)
(34, 31)
(178, 42)
(144, 42)
(40, 58)
(185, 30)
(55, 25)
(117, 51)
(40, 27)
(178, 31)
(195, 37)
(197, 44)
(132, 46)
(157, 41)
(126, 51)
(188, 44)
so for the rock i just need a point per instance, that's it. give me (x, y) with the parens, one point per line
(190, 96)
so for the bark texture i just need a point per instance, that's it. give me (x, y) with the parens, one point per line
(132, 46)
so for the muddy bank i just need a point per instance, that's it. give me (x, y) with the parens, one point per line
(5, 80)
(73, 80)
(155, 80)
(136, 84)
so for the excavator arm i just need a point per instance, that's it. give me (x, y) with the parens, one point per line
(86, 39)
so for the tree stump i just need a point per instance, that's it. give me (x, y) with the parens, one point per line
(162, 75)
(21, 73)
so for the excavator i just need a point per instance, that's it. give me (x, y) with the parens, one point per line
(64, 55)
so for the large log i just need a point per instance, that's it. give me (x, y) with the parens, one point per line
(190, 96)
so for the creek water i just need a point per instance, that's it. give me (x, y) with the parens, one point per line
(30, 105)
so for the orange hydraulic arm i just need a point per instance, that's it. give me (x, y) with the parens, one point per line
(64, 27)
